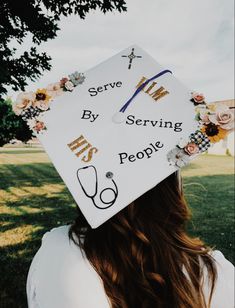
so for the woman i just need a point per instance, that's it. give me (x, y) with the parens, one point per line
(141, 257)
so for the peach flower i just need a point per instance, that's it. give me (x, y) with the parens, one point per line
(191, 148)
(197, 98)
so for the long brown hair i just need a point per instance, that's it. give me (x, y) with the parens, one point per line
(143, 254)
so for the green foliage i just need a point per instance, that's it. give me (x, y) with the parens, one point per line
(40, 19)
(11, 125)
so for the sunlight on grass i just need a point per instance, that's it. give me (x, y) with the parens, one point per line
(18, 235)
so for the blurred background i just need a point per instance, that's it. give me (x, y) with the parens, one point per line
(43, 41)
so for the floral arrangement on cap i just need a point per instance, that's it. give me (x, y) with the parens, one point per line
(32, 105)
(215, 121)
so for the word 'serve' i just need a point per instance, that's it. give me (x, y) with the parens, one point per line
(108, 86)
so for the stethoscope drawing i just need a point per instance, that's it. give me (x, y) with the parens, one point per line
(88, 180)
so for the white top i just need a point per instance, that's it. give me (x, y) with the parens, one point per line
(61, 277)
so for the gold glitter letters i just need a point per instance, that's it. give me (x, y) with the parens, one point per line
(82, 145)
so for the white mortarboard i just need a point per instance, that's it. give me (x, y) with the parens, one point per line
(120, 129)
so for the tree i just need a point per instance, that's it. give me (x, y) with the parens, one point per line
(40, 19)
(12, 126)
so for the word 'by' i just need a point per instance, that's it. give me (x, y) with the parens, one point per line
(81, 145)
(156, 94)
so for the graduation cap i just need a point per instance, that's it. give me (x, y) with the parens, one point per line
(120, 128)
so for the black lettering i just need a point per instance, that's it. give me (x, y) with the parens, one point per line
(145, 121)
(166, 124)
(100, 89)
(112, 85)
(122, 157)
(140, 154)
(153, 147)
(130, 118)
(148, 152)
(119, 84)
(86, 114)
(132, 158)
(154, 123)
(91, 91)
(138, 122)
(178, 127)
(157, 144)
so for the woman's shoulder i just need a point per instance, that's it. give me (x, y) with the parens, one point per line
(61, 276)
(223, 295)
(55, 233)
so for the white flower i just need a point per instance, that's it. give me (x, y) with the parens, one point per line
(54, 89)
(69, 86)
(23, 101)
(31, 123)
(178, 157)
(77, 78)
(42, 105)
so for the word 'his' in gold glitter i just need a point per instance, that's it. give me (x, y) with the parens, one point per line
(81, 145)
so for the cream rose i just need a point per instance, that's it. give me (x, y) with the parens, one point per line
(23, 101)
(224, 117)
(191, 148)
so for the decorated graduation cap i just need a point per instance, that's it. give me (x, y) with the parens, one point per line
(120, 128)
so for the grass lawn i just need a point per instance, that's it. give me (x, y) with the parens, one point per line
(33, 199)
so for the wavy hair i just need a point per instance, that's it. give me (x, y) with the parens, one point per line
(145, 257)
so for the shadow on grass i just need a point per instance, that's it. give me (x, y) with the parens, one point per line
(210, 198)
(39, 214)
(31, 151)
(32, 175)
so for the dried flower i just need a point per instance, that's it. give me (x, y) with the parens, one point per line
(69, 86)
(178, 157)
(77, 78)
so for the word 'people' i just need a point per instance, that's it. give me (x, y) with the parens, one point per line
(145, 153)
(157, 93)
(108, 86)
(81, 145)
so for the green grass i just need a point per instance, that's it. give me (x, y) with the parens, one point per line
(33, 199)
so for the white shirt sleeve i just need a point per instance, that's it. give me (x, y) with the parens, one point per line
(60, 277)
(223, 296)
